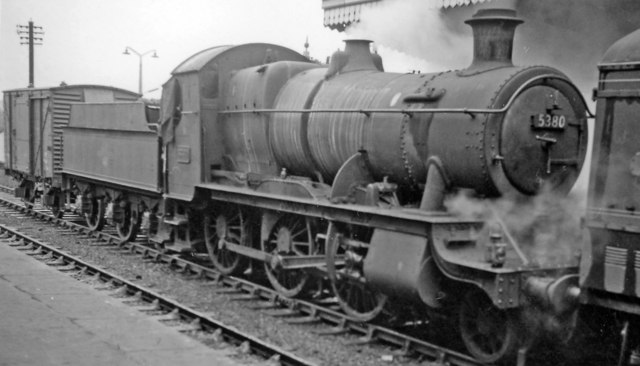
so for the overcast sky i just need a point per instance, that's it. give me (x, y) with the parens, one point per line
(84, 39)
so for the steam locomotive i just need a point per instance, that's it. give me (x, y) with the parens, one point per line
(392, 188)
(611, 273)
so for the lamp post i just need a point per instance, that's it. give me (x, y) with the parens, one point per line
(140, 56)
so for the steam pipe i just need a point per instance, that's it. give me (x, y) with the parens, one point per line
(434, 190)
(510, 238)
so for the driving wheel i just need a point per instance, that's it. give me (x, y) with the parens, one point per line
(225, 225)
(356, 297)
(291, 235)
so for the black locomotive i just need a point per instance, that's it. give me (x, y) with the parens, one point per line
(611, 275)
(349, 175)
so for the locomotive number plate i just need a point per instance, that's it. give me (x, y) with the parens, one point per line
(548, 121)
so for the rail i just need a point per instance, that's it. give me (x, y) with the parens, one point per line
(298, 311)
(197, 320)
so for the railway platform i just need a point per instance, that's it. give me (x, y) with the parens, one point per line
(49, 318)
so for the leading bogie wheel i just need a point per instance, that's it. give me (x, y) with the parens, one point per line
(226, 224)
(292, 235)
(95, 216)
(490, 334)
(130, 225)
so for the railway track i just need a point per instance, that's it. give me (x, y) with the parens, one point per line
(165, 309)
(262, 298)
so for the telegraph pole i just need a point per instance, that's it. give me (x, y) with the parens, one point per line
(30, 35)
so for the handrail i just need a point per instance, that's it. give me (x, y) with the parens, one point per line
(410, 111)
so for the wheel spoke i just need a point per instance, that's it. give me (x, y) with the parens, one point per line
(294, 225)
(236, 238)
(354, 295)
(232, 220)
(300, 232)
(301, 248)
(288, 231)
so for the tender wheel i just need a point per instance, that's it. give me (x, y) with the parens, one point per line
(55, 201)
(128, 229)
(292, 235)
(95, 214)
(226, 225)
(356, 298)
(490, 334)
(30, 195)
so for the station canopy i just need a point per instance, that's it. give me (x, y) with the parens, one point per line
(339, 14)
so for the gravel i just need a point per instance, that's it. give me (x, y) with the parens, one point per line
(201, 296)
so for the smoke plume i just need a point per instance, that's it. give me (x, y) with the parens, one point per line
(545, 228)
(571, 35)
(415, 28)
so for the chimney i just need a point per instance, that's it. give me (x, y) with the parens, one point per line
(493, 31)
(355, 57)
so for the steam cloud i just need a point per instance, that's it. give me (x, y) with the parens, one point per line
(545, 227)
(415, 28)
(571, 35)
